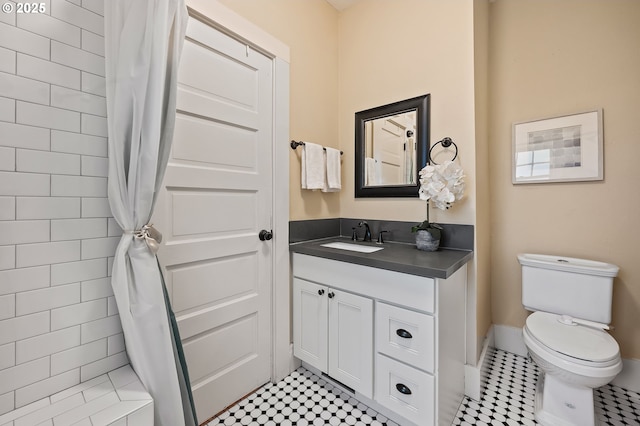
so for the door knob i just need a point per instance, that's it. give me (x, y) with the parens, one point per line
(265, 235)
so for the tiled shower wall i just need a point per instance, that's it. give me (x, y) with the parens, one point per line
(58, 320)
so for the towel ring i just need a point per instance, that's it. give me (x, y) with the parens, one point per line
(446, 143)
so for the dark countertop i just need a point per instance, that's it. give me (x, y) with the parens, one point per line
(399, 257)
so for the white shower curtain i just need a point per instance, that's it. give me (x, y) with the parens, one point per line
(143, 42)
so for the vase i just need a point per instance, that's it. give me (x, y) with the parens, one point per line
(425, 241)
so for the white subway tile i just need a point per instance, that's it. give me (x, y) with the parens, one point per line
(78, 186)
(134, 391)
(24, 279)
(76, 100)
(45, 299)
(100, 329)
(94, 125)
(7, 60)
(123, 376)
(143, 416)
(23, 411)
(92, 42)
(95, 84)
(19, 328)
(99, 247)
(7, 110)
(47, 207)
(48, 117)
(78, 356)
(29, 160)
(79, 388)
(112, 306)
(49, 27)
(24, 41)
(10, 19)
(87, 409)
(113, 229)
(7, 306)
(102, 366)
(7, 159)
(49, 72)
(7, 208)
(115, 344)
(23, 374)
(16, 87)
(96, 6)
(77, 58)
(8, 355)
(110, 265)
(96, 207)
(77, 16)
(13, 183)
(47, 253)
(118, 413)
(77, 229)
(77, 314)
(95, 166)
(6, 405)
(77, 143)
(98, 390)
(34, 392)
(7, 257)
(20, 136)
(96, 289)
(50, 411)
(76, 2)
(24, 231)
(70, 272)
(47, 344)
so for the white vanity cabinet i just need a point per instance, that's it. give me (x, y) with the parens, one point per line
(332, 332)
(397, 339)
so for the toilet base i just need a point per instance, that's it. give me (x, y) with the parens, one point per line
(559, 403)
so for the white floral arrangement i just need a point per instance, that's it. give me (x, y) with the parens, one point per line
(443, 184)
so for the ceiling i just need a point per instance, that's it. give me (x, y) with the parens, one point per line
(341, 4)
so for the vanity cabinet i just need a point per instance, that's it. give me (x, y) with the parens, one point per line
(332, 332)
(397, 339)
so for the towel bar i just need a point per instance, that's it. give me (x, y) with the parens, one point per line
(295, 144)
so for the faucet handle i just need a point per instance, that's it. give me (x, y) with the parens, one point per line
(380, 240)
(354, 235)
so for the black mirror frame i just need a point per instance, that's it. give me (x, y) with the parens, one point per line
(419, 103)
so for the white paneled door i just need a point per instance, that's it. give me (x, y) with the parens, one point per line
(215, 200)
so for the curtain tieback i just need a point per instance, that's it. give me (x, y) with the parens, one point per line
(152, 237)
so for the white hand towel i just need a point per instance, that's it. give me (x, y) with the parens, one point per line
(313, 168)
(333, 183)
(372, 176)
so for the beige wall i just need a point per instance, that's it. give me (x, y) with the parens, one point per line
(551, 58)
(310, 29)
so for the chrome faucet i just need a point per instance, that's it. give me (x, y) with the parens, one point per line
(367, 232)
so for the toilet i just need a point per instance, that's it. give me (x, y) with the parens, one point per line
(566, 334)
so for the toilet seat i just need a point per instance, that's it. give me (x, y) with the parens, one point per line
(579, 344)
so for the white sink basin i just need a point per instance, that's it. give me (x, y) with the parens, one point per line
(352, 247)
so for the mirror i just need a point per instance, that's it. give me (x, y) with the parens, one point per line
(392, 142)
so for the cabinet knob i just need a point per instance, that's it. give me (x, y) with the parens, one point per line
(265, 235)
(403, 333)
(320, 292)
(331, 295)
(403, 389)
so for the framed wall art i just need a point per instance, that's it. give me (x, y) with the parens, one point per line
(560, 149)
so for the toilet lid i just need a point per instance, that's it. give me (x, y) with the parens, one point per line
(576, 341)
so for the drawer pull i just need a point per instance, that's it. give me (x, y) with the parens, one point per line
(403, 333)
(403, 389)
(320, 292)
(331, 295)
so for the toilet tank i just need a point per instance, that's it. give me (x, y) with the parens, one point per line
(568, 286)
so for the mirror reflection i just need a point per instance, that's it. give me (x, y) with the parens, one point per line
(390, 150)
(392, 142)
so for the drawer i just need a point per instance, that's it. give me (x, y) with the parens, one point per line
(405, 390)
(406, 335)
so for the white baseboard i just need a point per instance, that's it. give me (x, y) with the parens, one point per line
(629, 377)
(475, 375)
(510, 339)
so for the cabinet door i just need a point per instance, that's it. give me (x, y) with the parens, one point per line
(310, 323)
(351, 340)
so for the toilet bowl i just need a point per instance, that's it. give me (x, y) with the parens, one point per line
(573, 359)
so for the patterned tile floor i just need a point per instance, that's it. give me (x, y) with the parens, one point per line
(302, 398)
